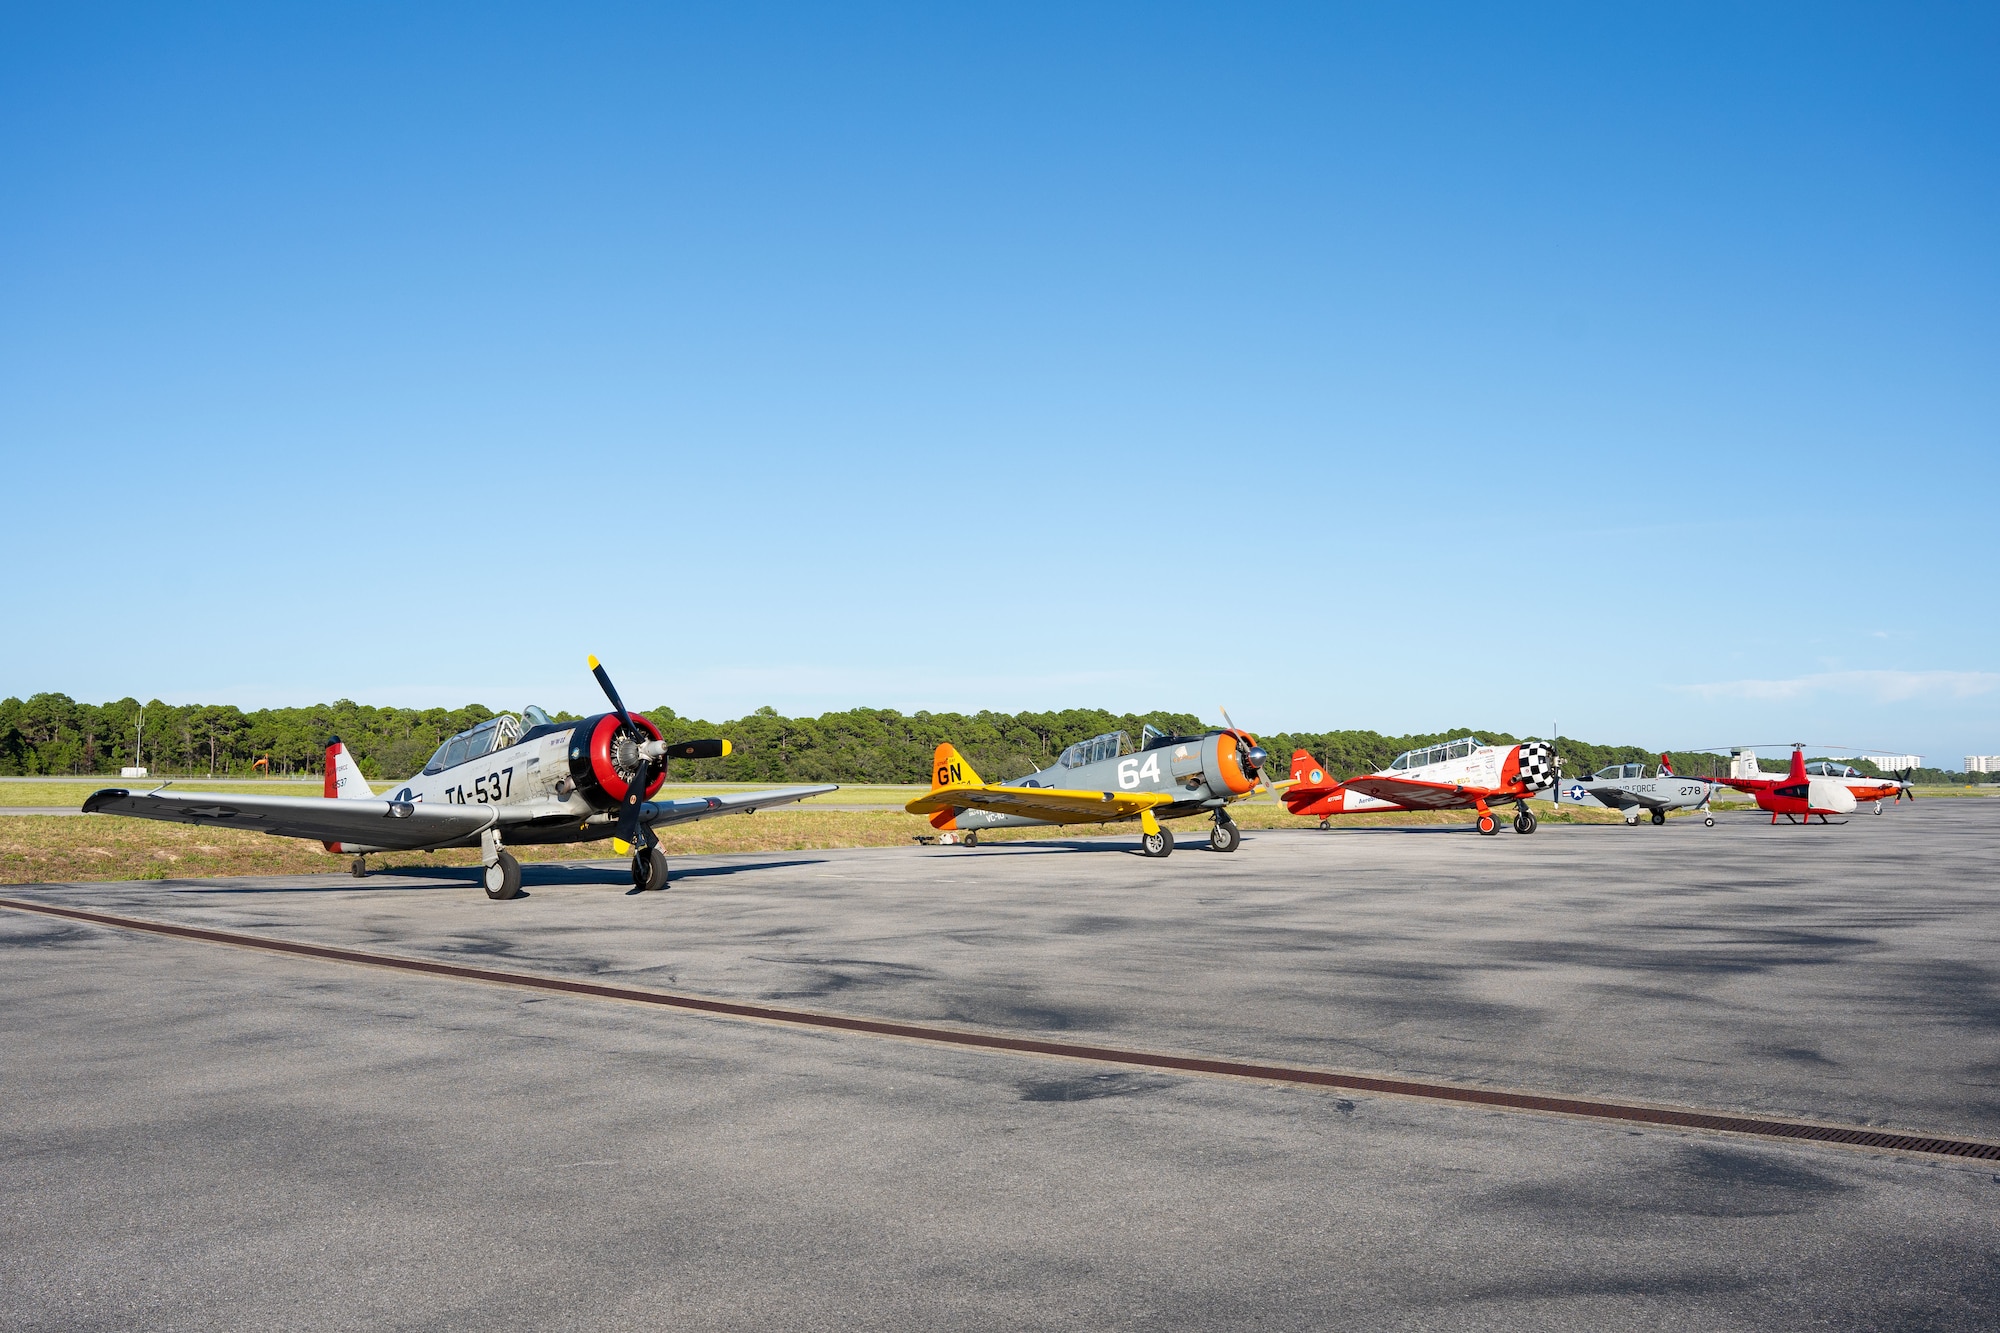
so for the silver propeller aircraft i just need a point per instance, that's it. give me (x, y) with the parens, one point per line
(1626, 787)
(507, 781)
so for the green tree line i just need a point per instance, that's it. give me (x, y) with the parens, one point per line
(53, 734)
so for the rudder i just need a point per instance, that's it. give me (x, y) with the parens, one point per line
(949, 769)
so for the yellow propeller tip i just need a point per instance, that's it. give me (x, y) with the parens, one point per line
(592, 659)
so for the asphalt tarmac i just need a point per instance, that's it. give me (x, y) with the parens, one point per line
(199, 1136)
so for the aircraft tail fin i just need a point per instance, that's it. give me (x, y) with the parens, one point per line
(1666, 766)
(343, 775)
(1307, 771)
(949, 769)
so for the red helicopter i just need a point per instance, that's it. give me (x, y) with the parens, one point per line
(1798, 795)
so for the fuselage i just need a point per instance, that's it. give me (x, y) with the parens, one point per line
(567, 778)
(1204, 773)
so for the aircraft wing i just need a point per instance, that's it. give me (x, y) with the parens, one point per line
(1412, 794)
(389, 824)
(1619, 799)
(1051, 804)
(657, 813)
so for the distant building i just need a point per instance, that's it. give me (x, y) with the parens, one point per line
(1891, 763)
(1982, 763)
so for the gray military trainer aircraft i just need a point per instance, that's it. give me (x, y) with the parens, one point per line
(507, 781)
(1103, 779)
(1627, 787)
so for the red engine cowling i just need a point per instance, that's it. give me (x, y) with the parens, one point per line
(594, 758)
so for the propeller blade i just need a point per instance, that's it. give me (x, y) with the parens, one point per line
(610, 690)
(635, 797)
(1253, 755)
(698, 749)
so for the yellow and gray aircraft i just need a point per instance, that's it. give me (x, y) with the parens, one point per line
(1105, 779)
(509, 780)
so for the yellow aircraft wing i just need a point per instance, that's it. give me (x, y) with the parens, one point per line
(1051, 804)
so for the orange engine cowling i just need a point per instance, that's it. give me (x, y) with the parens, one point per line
(596, 765)
(1231, 763)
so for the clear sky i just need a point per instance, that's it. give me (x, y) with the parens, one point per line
(1633, 368)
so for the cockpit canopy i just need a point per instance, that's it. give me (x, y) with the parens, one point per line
(1617, 771)
(1826, 769)
(495, 733)
(1095, 750)
(1437, 754)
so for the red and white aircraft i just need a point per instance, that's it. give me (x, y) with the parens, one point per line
(1798, 795)
(1865, 788)
(1464, 774)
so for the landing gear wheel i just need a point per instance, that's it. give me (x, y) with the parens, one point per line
(1157, 844)
(1659, 816)
(360, 867)
(1708, 821)
(1632, 820)
(649, 870)
(1225, 836)
(1878, 807)
(1326, 823)
(1488, 826)
(503, 878)
(1525, 821)
(971, 839)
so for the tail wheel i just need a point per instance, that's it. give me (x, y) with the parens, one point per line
(1224, 837)
(1326, 823)
(971, 839)
(503, 878)
(1488, 826)
(649, 870)
(1157, 844)
(1659, 816)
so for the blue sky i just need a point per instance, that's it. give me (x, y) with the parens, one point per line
(1381, 367)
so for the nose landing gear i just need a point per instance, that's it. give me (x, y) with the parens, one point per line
(1225, 836)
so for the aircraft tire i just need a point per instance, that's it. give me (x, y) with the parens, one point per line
(971, 838)
(1488, 826)
(1225, 836)
(1659, 816)
(1525, 822)
(1326, 823)
(360, 867)
(503, 878)
(1708, 821)
(649, 871)
(1878, 807)
(1157, 844)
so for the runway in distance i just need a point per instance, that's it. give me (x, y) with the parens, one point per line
(1465, 774)
(508, 781)
(1105, 779)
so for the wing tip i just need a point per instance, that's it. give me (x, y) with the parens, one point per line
(102, 797)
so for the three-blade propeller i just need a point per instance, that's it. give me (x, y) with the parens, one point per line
(650, 756)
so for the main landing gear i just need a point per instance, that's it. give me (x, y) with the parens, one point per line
(502, 873)
(1154, 839)
(649, 869)
(1488, 825)
(1225, 836)
(1525, 821)
(1878, 807)
(1659, 816)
